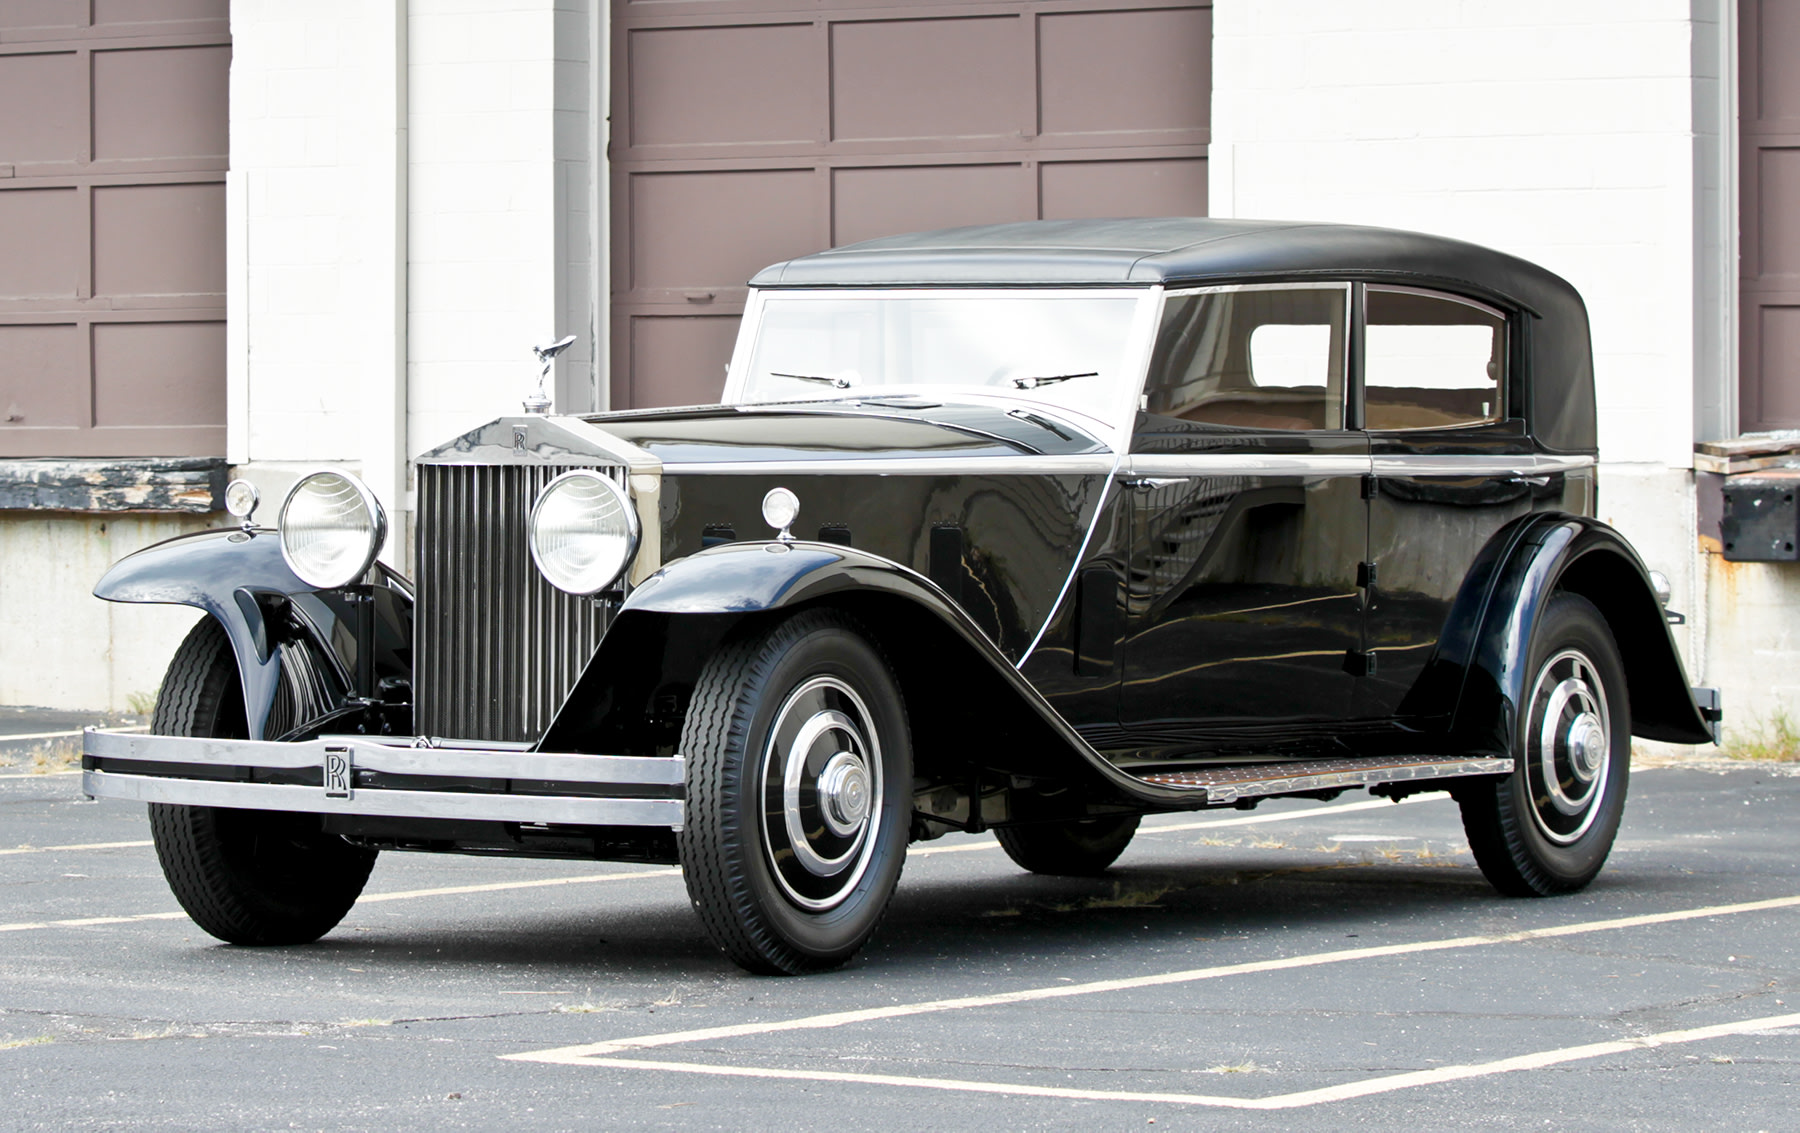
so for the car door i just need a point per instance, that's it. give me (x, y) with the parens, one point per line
(1452, 464)
(1243, 613)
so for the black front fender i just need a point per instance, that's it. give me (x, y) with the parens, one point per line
(240, 578)
(1528, 563)
(631, 696)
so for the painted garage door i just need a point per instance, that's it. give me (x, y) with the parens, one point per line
(1769, 251)
(748, 132)
(112, 227)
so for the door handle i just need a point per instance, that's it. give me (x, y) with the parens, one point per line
(1146, 483)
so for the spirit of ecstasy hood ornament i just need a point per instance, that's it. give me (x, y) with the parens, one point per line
(539, 402)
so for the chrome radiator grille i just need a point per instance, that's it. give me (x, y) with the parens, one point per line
(496, 648)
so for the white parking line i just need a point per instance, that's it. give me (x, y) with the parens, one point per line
(19, 737)
(75, 846)
(42, 774)
(1386, 1084)
(371, 898)
(582, 1054)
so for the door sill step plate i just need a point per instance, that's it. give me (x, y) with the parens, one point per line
(1229, 784)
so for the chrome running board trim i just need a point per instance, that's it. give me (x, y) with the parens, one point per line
(1228, 784)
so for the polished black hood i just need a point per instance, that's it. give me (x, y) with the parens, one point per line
(846, 430)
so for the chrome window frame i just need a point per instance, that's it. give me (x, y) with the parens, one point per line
(1347, 399)
(1503, 394)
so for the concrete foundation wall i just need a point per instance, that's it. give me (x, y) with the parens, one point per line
(65, 648)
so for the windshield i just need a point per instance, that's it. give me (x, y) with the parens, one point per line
(1056, 348)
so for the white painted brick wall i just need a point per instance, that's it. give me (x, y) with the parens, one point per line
(483, 221)
(1559, 130)
(306, 230)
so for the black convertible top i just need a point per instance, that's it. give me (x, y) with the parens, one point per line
(1170, 250)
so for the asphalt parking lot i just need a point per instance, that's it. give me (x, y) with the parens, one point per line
(1304, 966)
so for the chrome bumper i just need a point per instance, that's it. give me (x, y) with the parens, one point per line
(388, 776)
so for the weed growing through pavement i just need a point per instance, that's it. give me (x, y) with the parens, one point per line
(142, 703)
(35, 1040)
(55, 755)
(1773, 739)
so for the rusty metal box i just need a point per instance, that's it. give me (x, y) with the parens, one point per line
(1760, 521)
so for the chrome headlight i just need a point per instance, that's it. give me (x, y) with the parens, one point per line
(584, 532)
(332, 527)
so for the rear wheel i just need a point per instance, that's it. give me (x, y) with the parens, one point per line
(245, 876)
(1069, 849)
(1548, 827)
(799, 792)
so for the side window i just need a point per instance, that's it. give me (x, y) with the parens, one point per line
(1431, 362)
(1252, 358)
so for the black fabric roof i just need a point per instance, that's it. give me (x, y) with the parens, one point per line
(1173, 250)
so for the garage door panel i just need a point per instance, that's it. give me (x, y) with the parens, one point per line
(868, 203)
(42, 371)
(688, 85)
(1094, 67)
(1777, 84)
(42, 99)
(40, 243)
(163, 102)
(21, 15)
(159, 374)
(680, 360)
(1170, 187)
(151, 11)
(751, 131)
(1769, 212)
(159, 240)
(1778, 212)
(928, 78)
(717, 229)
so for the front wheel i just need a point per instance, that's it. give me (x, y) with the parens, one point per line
(1547, 828)
(245, 876)
(799, 793)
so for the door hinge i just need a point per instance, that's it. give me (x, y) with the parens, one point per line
(1365, 576)
(1369, 486)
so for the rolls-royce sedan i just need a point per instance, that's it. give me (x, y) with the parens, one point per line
(1033, 528)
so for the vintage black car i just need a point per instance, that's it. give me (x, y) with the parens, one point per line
(1033, 528)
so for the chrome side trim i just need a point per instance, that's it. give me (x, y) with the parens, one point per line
(1410, 464)
(560, 810)
(1244, 464)
(1062, 595)
(1097, 464)
(1228, 784)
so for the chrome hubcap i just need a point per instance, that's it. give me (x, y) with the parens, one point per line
(844, 793)
(822, 793)
(1569, 746)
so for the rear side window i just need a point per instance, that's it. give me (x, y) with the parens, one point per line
(1430, 361)
(1252, 358)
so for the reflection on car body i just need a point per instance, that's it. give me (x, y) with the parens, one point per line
(1030, 528)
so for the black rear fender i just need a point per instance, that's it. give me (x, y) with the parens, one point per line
(302, 654)
(1523, 567)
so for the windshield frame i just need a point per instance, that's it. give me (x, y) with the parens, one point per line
(1113, 428)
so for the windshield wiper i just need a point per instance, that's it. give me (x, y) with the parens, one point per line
(1051, 379)
(834, 383)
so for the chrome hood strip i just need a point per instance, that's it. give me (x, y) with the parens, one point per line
(1097, 464)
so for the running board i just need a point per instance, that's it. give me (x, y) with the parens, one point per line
(1229, 784)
